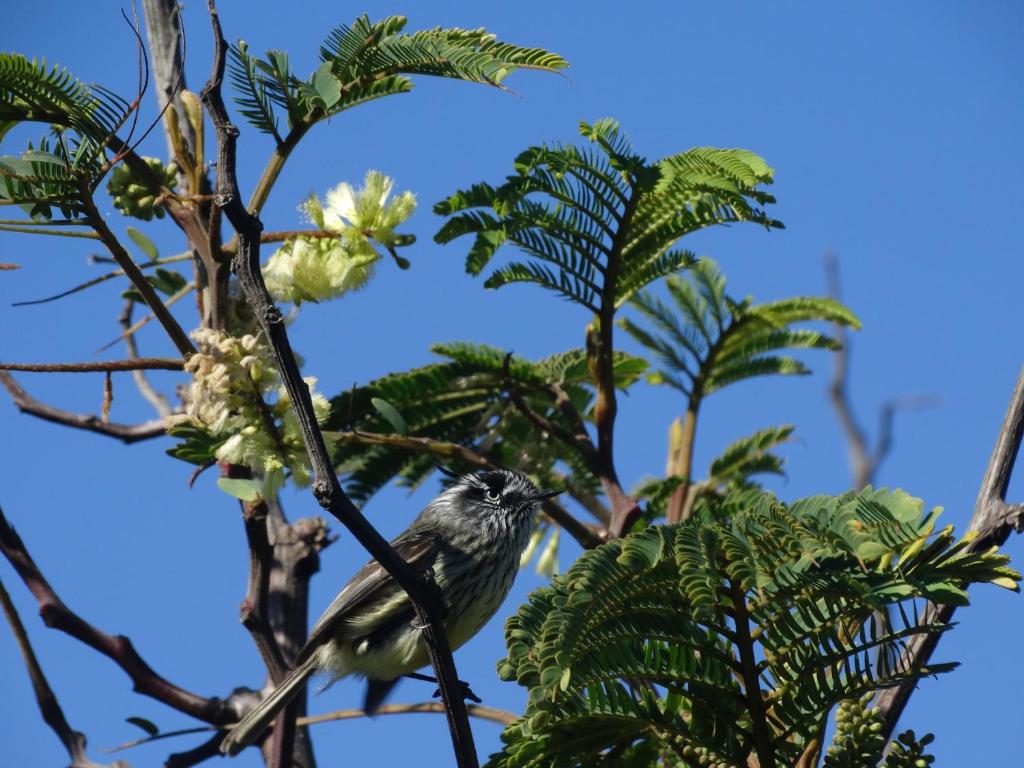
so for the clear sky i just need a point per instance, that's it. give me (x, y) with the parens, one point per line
(894, 129)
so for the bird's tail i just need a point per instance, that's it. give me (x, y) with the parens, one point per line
(254, 723)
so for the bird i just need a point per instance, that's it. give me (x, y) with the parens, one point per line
(471, 536)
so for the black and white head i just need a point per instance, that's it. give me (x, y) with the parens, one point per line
(497, 497)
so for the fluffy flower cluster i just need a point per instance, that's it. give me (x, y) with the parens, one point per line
(233, 382)
(320, 268)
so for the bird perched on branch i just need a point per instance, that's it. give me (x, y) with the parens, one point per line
(472, 536)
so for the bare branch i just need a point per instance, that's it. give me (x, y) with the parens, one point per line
(439, 448)
(140, 324)
(579, 440)
(992, 521)
(135, 364)
(132, 271)
(422, 590)
(202, 753)
(118, 648)
(128, 433)
(254, 606)
(158, 400)
(864, 461)
(166, 37)
(102, 279)
(499, 716)
(49, 707)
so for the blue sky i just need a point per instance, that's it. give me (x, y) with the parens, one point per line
(894, 129)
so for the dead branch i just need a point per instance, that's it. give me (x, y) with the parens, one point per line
(49, 707)
(992, 521)
(118, 648)
(128, 433)
(134, 364)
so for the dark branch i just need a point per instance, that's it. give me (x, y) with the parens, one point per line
(422, 590)
(135, 364)
(202, 753)
(118, 648)
(261, 560)
(128, 433)
(993, 520)
(49, 707)
(579, 441)
(132, 271)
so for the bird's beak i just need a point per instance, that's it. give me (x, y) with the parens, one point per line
(543, 495)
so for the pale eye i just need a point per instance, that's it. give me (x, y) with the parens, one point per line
(493, 495)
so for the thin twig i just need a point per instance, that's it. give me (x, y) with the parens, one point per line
(102, 279)
(140, 324)
(158, 400)
(132, 271)
(49, 707)
(118, 648)
(208, 749)
(422, 590)
(439, 448)
(580, 441)
(491, 714)
(992, 521)
(135, 364)
(45, 231)
(864, 461)
(128, 433)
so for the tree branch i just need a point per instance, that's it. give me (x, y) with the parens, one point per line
(134, 364)
(254, 606)
(579, 441)
(165, 35)
(601, 362)
(128, 433)
(131, 269)
(49, 707)
(158, 400)
(208, 749)
(422, 591)
(992, 521)
(499, 716)
(439, 448)
(118, 648)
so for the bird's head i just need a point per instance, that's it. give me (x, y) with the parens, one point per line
(497, 494)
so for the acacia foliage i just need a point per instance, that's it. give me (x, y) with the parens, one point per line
(733, 633)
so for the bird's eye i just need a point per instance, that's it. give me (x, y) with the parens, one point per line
(492, 495)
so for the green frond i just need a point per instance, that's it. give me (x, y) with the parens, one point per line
(638, 643)
(747, 456)
(32, 91)
(83, 118)
(369, 50)
(601, 215)
(253, 100)
(706, 340)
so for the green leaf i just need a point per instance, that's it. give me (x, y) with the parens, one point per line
(391, 414)
(141, 722)
(145, 244)
(246, 490)
(326, 86)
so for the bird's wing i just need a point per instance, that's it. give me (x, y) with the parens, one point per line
(417, 548)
